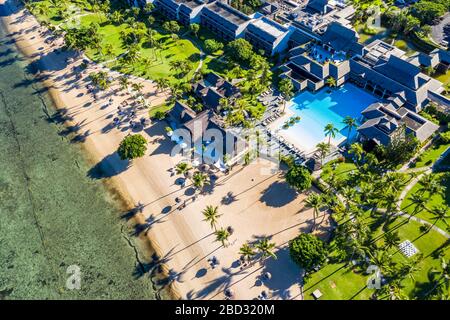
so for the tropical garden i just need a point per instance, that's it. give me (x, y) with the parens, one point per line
(375, 209)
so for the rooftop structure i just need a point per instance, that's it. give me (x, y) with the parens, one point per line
(203, 133)
(386, 71)
(185, 11)
(316, 15)
(225, 21)
(213, 88)
(384, 122)
(267, 35)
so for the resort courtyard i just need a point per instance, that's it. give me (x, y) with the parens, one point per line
(253, 201)
(316, 110)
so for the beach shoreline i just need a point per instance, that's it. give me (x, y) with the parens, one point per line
(92, 156)
(254, 200)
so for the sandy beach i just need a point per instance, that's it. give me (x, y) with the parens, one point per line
(256, 202)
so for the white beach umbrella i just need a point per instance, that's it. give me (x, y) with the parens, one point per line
(183, 145)
(195, 163)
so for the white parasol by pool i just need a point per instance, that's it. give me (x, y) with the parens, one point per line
(195, 163)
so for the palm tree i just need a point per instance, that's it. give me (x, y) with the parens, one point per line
(116, 17)
(247, 251)
(239, 113)
(441, 278)
(331, 132)
(323, 149)
(211, 215)
(124, 82)
(439, 213)
(351, 123)
(331, 82)
(418, 201)
(224, 104)
(357, 150)
(200, 179)
(266, 248)
(162, 84)
(314, 201)
(348, 193)
(109, 50)
(183, 168)
(137, 86)
(222, 235)
(428, 184)
(286, 88)
(381, 259)
(390, 199)
(391, 239)
(408, 268)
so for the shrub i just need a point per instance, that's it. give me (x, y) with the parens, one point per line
(308, 251)
(159, 115)
(240, 50)
(299, 177)
(132, 147)
(212, 45)
(445, 137)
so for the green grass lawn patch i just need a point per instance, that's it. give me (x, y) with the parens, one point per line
(340, 169)
(338, 281)
(430, 156)
(432, 200)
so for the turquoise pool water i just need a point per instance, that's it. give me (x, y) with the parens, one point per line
(318, 109)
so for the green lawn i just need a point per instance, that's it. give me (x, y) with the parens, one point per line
(433, 200)
(431, 155)
(339, 282)
(405, 46)
(367, 37)
(342, 170)
(171, 50)
(163, 107)
(444, 78)
(212, 64)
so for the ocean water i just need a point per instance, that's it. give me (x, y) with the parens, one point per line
(321, 108)
(57, 225)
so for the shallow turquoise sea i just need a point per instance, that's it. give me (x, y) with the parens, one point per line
(52, 215)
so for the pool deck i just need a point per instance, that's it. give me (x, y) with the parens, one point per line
(276, 127)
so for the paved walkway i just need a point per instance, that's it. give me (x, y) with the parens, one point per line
(410, 185)
(424, 222)
(441, 31)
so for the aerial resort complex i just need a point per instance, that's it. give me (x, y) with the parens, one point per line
(262, 149)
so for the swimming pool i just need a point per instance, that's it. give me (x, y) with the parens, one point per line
(316, 110)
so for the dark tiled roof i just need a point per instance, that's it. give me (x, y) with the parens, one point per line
(401, 71)
(318, 5)
(181, 112)
(213, 88)
(383, 120)
(299, 38)
(341, 38)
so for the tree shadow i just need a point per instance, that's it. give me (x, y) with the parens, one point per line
(281, 280)
(109, 166)
(228, 199)
(278, 194)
